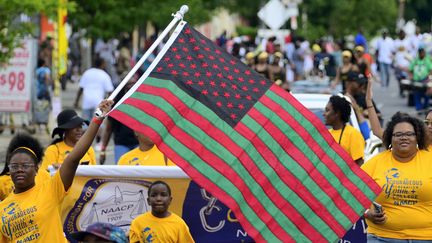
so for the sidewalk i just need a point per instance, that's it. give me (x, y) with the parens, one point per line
(67, 100)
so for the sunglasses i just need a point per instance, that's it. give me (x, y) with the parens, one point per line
(404, 134)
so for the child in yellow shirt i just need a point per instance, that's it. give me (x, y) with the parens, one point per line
(159, 225)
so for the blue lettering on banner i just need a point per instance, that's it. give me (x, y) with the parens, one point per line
(209, 220)
(357, 233)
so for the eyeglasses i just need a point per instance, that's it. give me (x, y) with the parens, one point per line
(16, 167)
(427, 122)
(404, 134)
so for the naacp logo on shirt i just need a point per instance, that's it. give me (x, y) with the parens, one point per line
(148, 235)
(403, 191)
(20, 224)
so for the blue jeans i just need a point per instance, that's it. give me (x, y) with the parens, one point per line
(119, 150)
(376, 239)
(384, 74)
(421, 100)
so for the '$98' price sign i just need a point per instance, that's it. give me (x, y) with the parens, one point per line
(14, 81)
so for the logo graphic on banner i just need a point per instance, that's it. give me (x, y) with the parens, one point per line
(112, 201)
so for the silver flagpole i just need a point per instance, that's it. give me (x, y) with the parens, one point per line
(177, 17)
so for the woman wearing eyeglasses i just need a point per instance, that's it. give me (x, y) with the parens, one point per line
(31, 212)
(404, 171)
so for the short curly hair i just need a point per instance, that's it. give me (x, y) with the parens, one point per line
(418, 126)
(159, 183)
(341, 105)
(23, 140)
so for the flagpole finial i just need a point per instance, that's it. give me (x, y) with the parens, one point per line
(183, 9)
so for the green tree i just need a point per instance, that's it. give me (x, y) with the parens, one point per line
(341, 17)
(420, 10)
(12, 29)
(108, 18)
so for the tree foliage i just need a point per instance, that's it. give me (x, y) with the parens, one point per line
(12, 29)
(342, 17)
(108, 18)
(420, 10)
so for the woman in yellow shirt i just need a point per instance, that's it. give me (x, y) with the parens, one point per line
(31, 212)
(404, 171)
(69, 130)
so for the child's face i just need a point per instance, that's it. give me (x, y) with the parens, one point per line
(159, 199)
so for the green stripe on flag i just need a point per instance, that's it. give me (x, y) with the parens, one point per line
(310, 128)
(239, 139)
(292, 197)
(225, 155)
(290, 164)
(223, 183)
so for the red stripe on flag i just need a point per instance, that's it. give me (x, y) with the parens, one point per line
(306, 164)
(190, 170)
(215, 162)
(329, 139)
(248, 163)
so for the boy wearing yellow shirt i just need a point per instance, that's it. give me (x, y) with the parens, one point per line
(146, 154)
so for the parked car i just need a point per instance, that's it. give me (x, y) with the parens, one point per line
(317, 102)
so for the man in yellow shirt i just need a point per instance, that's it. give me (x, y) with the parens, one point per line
(336, 114)
(145, 154)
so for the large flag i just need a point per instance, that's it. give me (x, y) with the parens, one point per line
(248, 142)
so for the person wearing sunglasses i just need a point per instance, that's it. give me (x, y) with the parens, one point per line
(404, 172)
(31, 213)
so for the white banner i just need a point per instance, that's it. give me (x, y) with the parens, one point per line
(16, 79)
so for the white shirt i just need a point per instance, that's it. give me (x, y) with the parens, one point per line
(95, 83)
(385, 48)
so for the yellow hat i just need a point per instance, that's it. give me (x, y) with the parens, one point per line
(359, 48)
(346, 54)
(278, 54)
(250, 55)
(316, 48)
(263, 55)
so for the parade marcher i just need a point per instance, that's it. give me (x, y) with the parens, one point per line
(404, 172)
(347, 67)
(42, 107)
(69, 129)
(94, 84)
(32, 211)
(421, 68)
(124, 137)
(6, 184)
(385, 57)
(145, 154)
(100, 233)
(262, 67)
(159, 225)
(277, 70)
(336, 114)
(363, 60)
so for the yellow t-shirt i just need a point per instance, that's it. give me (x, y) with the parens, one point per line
(148, 228)
(6, 183)
(352, 141)
(56, 154)
(150, 157)
(406, 197)
(33, 215)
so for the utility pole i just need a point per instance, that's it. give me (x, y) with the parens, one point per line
(400, 20)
